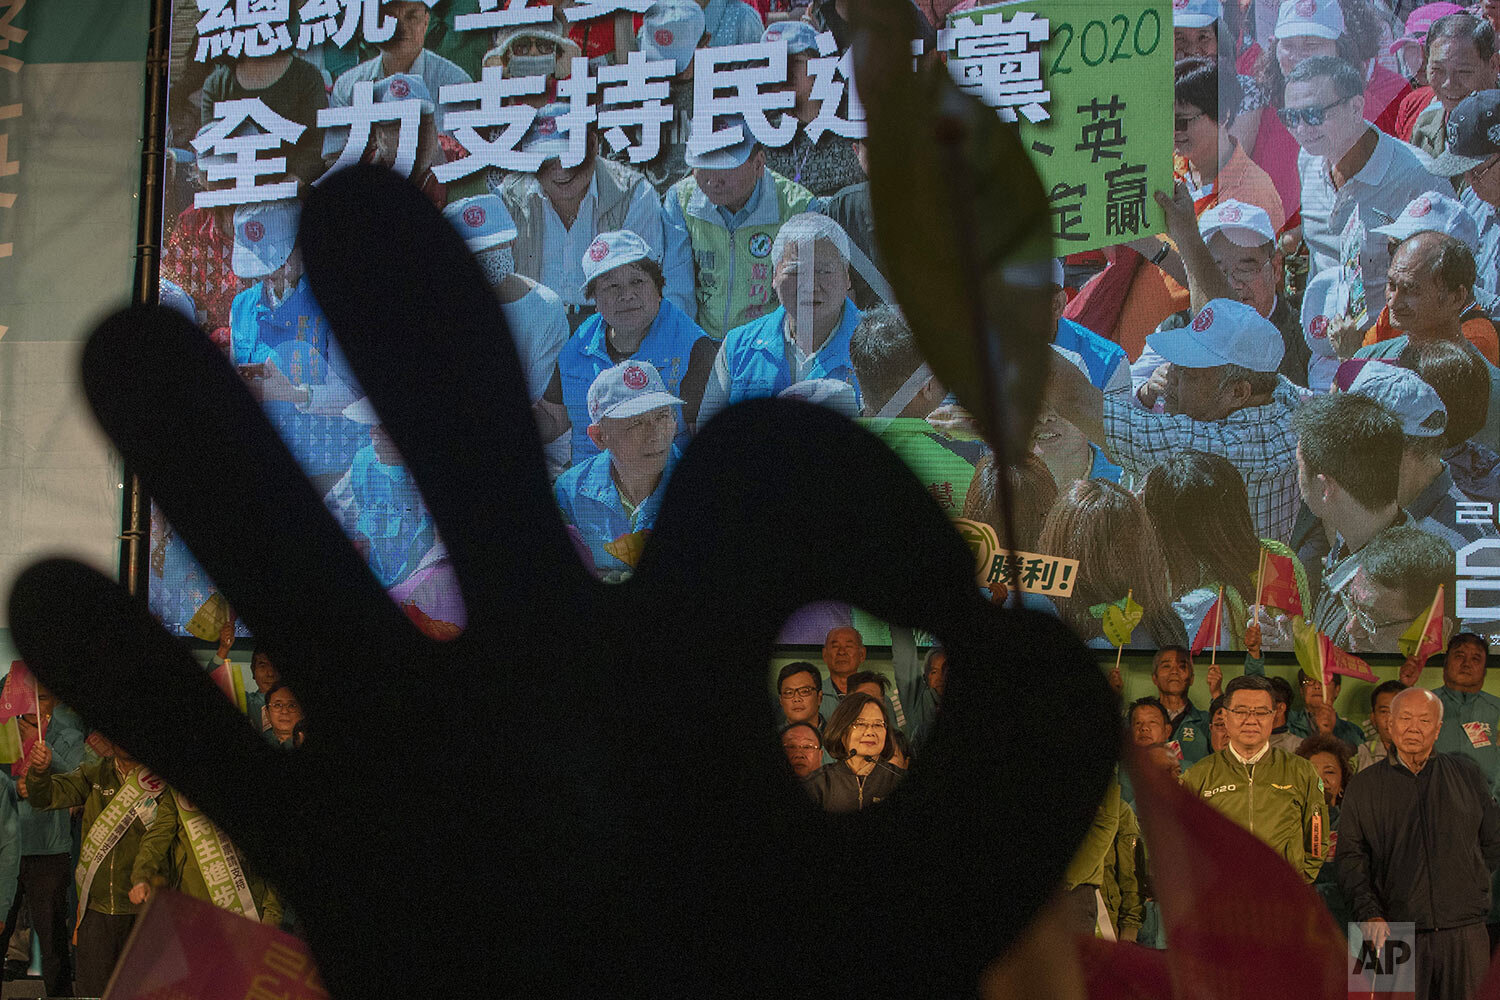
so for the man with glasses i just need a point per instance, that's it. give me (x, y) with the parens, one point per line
(803, 745)
(1472, 151)
(1400, 571)
(1242, 240)
(1275, 795)
(799, 688)
(1354, 177)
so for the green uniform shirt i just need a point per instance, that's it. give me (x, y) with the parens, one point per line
(1279, 798)
(93, 786)
(1122, 887)
(1087, 866)
(166, 853)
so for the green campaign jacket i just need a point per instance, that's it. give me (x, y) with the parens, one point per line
(1279, 798)
(166, 853)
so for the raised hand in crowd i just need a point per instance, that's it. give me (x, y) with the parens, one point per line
(953, 421)
(1215, 675)
(1116, 682)
(41, 757)
(1152, 389)
(1411, 672)
(1345, 336)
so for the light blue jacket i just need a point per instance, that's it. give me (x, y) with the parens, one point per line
(591, 502)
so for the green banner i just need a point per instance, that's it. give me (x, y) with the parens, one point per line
(1089, 85)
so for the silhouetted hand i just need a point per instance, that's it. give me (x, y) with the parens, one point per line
(582, 796)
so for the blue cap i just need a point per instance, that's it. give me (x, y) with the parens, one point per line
(727, 157)
(799, 35)
(671, 30)
(482, 221)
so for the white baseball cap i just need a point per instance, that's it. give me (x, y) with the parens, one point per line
(1323, 300)
(482, 221)
(799, 35)
(1400, 390)
(264, 234)
(1243, 224)
(544, 136)
(671, 30)
(404, 87)
(361, 412)
(1224, 332)
(626, 390)
(1194, 13)
(1435, 211)
(611, 250)
(1318, 18)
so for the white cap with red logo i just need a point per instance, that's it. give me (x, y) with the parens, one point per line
(1437, 212)
(611, 250)
(482, 221)
(264, 234)
(671, 30)
(1224, 332)
(628, 389)
(1318, 18)
(1241, 223)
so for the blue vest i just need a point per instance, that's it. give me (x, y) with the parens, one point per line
(391, 515)
(755, 355)
(295, 335)
(590, 502)
(667, 345)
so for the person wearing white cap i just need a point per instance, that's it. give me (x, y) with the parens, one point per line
(559, 212)
(672, 29)
(403, 52)
(378, 505)
(617, 492)
(1242, 241)
(281, 341)
(1354, 177)
(1223, 396)
(825, 166)
(385, 146)
(1460, 61)
(1196, 25)
(1430, 297)
(723, 218)
(807, 336)
(1426, 489)
(633, 322)
(533, 313)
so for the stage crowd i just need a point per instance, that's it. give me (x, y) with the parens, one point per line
(1301, 368)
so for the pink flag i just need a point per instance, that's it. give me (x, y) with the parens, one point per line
(1336, 661)
(19, 694)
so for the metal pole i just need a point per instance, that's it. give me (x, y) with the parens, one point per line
(135, 519)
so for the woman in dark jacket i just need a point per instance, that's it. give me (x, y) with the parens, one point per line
(860, 738)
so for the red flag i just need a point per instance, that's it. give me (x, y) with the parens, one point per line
(1275, 943)
(19, 694)
(1278, 585)
(1337, 661)
(185, 947)
(1425, 636)
(1210, 629)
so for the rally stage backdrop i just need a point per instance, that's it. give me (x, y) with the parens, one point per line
(267, 96)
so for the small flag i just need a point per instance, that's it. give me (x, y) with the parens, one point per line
(1307, 648)
(10, 742)
(1119, 619)
(1278, 585)
(186, 947)
(209, 620)
(229, 679)
(1337, 661)
(1425, 636)
(1210, 629)
(19, 694)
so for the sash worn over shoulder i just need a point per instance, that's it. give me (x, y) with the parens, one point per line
(135, 799)
(217, 861)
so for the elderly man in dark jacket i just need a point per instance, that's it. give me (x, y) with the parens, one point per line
(1419, 839)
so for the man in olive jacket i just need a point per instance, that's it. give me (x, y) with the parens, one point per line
(119, 798)
(1275, 795)
(187, 851)
(1419, 841)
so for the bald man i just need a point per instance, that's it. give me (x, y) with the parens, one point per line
(1419, 841)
